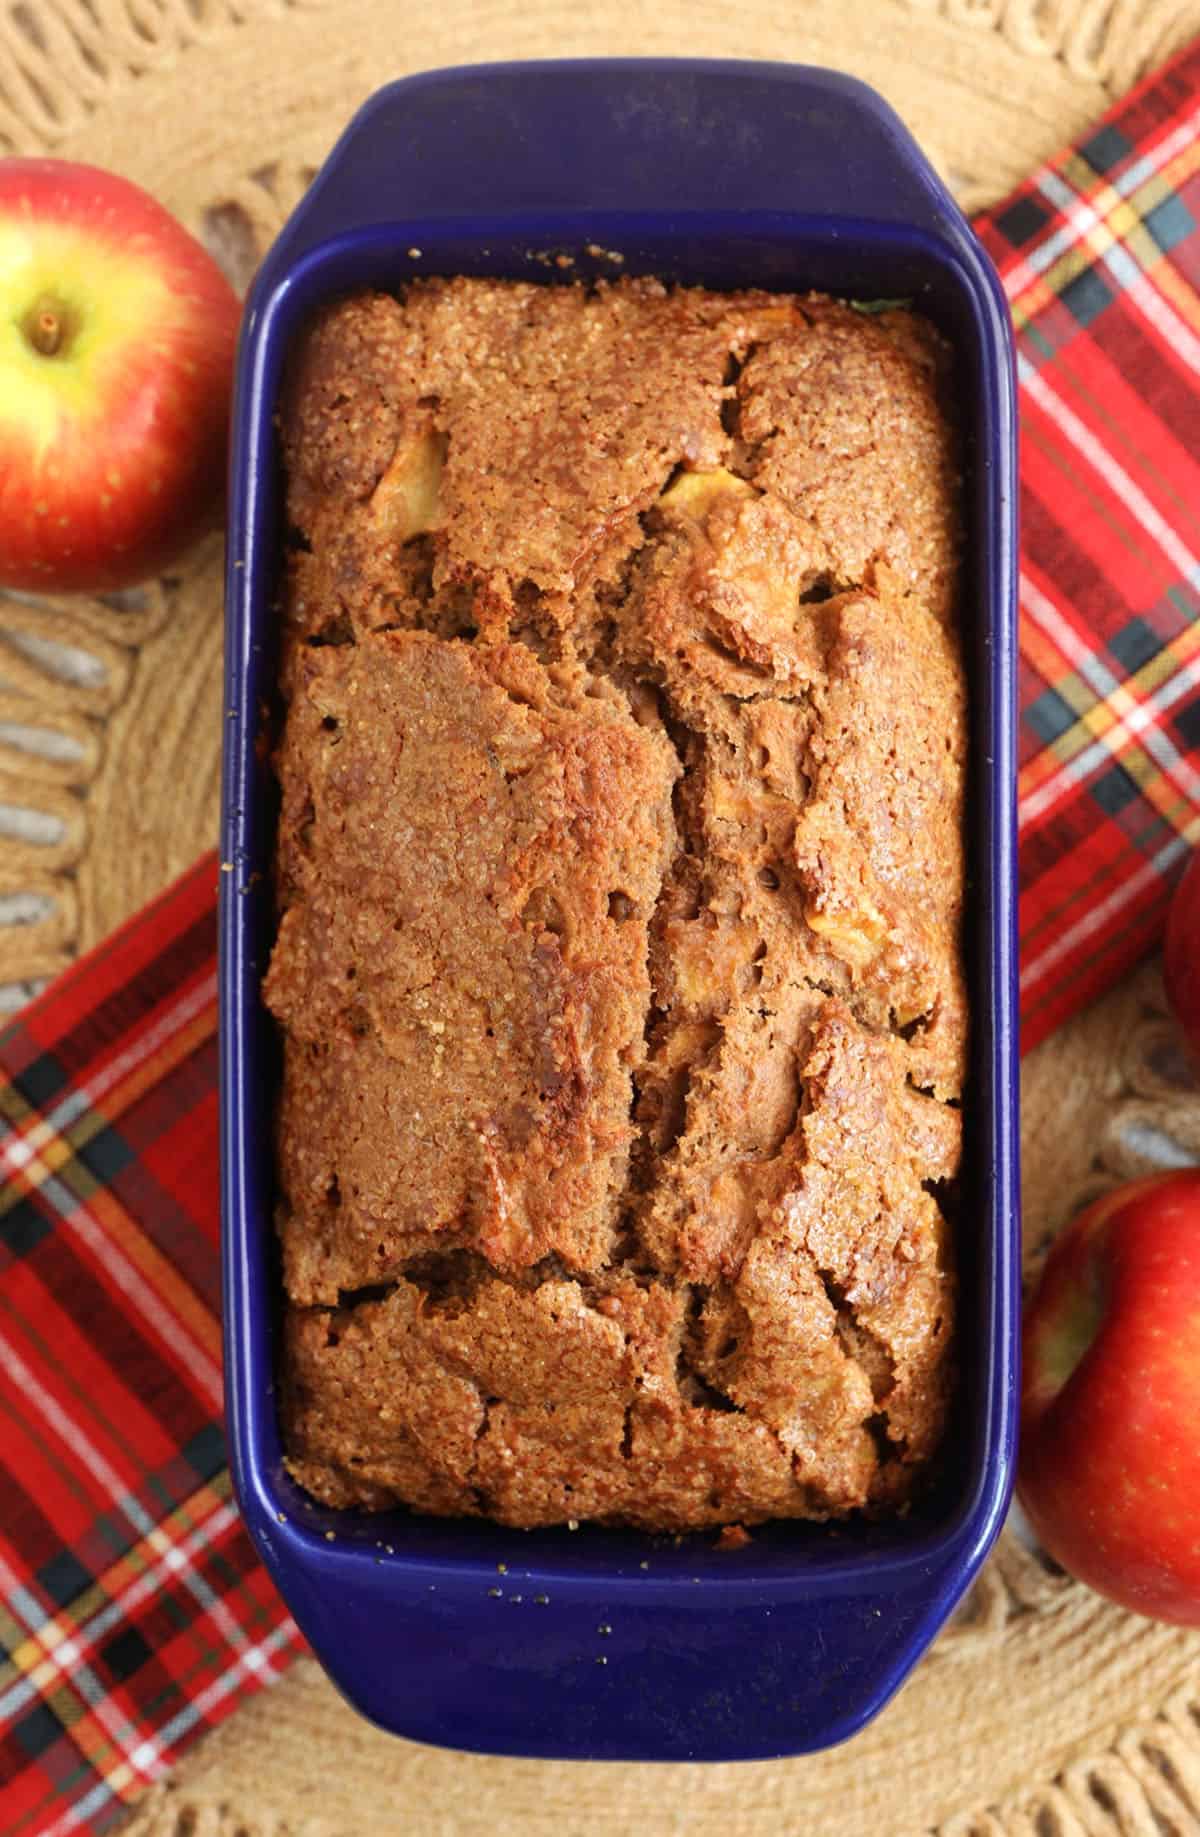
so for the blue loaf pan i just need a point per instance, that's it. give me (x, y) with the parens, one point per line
(599, 1643)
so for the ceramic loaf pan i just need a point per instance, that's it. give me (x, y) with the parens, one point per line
(599, 1643)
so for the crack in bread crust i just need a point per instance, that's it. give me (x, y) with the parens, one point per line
(620, 877)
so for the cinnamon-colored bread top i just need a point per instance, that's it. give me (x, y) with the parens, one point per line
(620, 873)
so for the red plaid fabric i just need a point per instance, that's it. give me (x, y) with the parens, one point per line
(1100, 255)
(132, 1612)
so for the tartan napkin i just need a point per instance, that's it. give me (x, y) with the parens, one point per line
(133, 1614)
(1100, 257)
(133, 1611)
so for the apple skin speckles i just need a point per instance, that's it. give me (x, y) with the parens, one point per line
(1110, 1394)
(162, 324)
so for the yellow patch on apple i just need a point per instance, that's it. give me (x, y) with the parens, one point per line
(57, 266)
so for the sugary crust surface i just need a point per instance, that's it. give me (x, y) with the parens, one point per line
(620, 876)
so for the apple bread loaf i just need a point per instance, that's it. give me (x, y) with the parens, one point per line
(619, 872)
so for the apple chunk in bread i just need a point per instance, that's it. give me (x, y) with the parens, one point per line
(406, 499)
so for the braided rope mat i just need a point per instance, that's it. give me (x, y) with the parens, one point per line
(1043, 1712)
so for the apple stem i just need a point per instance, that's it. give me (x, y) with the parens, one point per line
(46, 332)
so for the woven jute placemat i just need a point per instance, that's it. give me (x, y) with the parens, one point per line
(1043, 1712)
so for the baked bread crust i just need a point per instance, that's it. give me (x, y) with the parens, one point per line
(620, 872)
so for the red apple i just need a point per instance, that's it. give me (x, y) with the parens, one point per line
(1181, 958)
(1109, 1471)
(117, 335)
